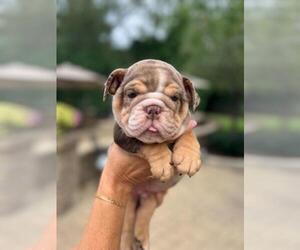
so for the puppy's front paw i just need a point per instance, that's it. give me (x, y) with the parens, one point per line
(186, 160)
(161, 167)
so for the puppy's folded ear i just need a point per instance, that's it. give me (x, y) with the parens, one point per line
(192, 95)
(113, 82)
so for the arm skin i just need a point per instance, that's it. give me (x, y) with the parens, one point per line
(121, 173)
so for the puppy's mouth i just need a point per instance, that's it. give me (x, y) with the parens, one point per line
(148, 127)
(152, 134)
(153, 129)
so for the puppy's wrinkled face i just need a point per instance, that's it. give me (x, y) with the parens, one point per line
(151, 100)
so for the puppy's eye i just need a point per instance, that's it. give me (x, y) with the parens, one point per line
(131, 95)
(174, 98)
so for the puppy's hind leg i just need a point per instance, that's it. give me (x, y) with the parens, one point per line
(143, 217)
(127, 238)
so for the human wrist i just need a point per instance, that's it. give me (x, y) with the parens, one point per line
(113, 188)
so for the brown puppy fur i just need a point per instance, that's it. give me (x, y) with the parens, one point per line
(151, 107)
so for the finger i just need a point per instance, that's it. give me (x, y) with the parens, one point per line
(192, 124)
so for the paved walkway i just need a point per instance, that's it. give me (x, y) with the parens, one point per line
(272, 213)
(203, 212)
(27, 187)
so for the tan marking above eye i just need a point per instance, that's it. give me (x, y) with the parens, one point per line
(137, 86)
(172, 89)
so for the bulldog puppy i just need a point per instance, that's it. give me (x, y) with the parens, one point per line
(151, 107)
(151, 101)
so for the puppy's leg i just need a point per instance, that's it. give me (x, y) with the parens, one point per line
(186, 154)
(127, 238)
(159, 159)
(143, 217)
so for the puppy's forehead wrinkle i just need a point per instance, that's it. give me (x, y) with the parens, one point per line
(148, 78)
(155, 77)
(136, 84)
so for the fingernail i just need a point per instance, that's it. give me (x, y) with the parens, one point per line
(193, 123)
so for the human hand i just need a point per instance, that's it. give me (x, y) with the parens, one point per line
(125, 167)
(122, 172)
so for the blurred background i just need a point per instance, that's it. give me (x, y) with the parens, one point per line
(27, 122)
(272, 131)
(203, 39)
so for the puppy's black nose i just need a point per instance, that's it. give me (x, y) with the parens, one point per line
(153, 111)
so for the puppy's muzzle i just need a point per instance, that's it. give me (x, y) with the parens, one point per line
(153, 111)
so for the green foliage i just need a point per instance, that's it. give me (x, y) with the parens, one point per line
(67, 117)
(80, 25)
(227, 143)
(228, 123)
(229, 138)
(212, 43)
(276, 123)
(88, 101)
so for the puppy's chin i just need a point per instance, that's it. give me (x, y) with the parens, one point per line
(152, 132)
(149, 137)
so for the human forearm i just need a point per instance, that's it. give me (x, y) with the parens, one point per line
(105, 223)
